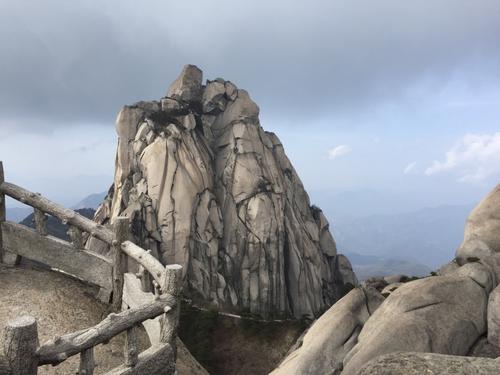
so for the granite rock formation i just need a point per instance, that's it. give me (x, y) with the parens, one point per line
(206, 187)
(325, 345)
(482, 231)
(456, 313)
(429, 363)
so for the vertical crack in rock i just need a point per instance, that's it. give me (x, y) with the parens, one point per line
(206, 187)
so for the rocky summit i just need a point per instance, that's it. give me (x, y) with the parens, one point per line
(206, 187)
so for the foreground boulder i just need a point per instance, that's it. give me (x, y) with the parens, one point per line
(428, 315)
(332, 336)
(206, 187)
(494, 317)
(430, 364)
(456, 313)
(482, 232)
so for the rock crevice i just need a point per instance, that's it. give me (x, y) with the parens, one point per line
(206, 187)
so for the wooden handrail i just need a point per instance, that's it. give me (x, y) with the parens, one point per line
(66, 215)
(145, 259)
(160, 358)
(59, 349)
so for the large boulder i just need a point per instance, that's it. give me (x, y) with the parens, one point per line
(188, 86)
(332, 336)
(429, 364)
(483, 348)
(206, 187)
(482, 231)
(494, 317)
(427, 315)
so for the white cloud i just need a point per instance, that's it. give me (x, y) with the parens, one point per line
(410, 167)
(475, 158)
(338, 151)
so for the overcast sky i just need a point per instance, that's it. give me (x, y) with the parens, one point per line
(396, 96)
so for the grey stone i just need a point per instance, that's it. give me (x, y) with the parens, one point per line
(213, 100)
(391, 279)
(231, 90)
(188, 86)
(482, 231)
(494, 317)
(188, 121)
(480, 273)
(448, 268)
(242, 109)
(429, 364)
(482, 348)
(390, 288)
(170, 104)
(223, 200)
(332, 336)
(433, 314)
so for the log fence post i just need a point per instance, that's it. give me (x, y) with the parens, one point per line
(131, 350)
(172, 284)
(76, 237)
(146, 281)
(20, 344)
(87, 364)
(40, 222)
(121, 229)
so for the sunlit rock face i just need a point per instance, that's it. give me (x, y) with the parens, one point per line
(482, 231)
(206, 187)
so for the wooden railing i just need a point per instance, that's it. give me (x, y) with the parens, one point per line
(21, 352)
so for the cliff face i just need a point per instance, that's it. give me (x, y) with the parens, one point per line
(206, 187)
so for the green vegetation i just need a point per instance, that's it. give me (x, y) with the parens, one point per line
(223, 344)
(254, 325)
(344, 289)
(196, 330)
(407, 279)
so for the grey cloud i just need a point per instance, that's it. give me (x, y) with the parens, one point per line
(71, 62)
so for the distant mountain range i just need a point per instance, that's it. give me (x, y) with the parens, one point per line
(91, 201)
(367, 266)
(427, 237)
(54, 226)
(411, 243)
(17, 214)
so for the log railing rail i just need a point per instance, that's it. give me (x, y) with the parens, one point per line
(21, 353)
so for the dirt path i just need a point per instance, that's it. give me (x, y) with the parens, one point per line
(61, 305)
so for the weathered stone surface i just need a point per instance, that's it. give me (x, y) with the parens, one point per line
(482, 231)
(494, 317)
(448, 268)
(231, 90)
(216, 193)
(429, 364)
(391, 279)
(390, 288)
(433, 314)
(170, 104)
(332, 336)
(482, 348)
(214, 100)
(457, 313)
(480, 273)
(188, 86)
(378, 283)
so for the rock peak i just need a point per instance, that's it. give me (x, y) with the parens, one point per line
(206, 187)
(188, 86)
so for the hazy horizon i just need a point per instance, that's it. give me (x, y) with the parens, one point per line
(396, 98)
